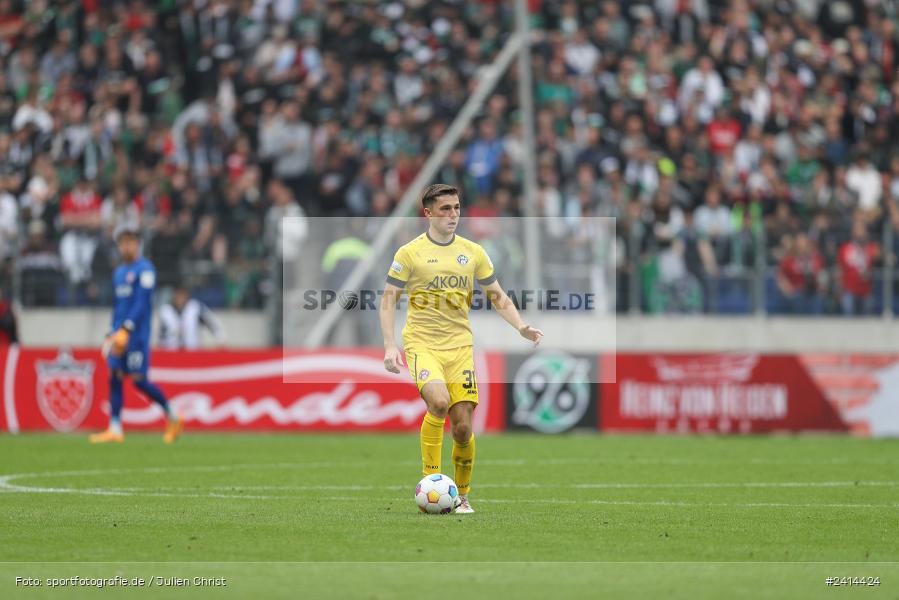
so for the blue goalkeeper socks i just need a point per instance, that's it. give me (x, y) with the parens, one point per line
(115, 403)
(155, 394)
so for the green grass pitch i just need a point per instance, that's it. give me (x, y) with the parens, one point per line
(581, 516)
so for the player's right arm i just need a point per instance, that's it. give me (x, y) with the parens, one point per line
(106, 347)
(393, 358)
(397, 276)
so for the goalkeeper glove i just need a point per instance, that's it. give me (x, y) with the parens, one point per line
(119, 341)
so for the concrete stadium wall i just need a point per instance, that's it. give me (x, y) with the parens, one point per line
(710, 334)
(85, 327)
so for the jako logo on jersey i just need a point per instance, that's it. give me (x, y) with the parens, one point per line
(441, 282)
(432, 261)
(424, 374)
(462, 259)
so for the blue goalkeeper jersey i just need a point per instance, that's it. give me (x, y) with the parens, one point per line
(133, 307)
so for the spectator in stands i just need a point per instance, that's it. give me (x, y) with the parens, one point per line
(176, 100)
(197, 210)
(724, 133)
(676, 289)
(118, 211)
(748, 151)
(9, 223)
(81, 215)
(580, 54)
(360, 195)
(247, 268)
(483, 157)
(856, 262)
(9, 329)
(800, 277)
(286, 225)
(613, 192)
(200, 157)
(803, 170)
(581, 201)
(699, 254)
(703, 87)
(836, 147)
(667, 221)
(340, 258)
(863, 179)
(39, 267)
(713, 221)
(287, 140)
(180, 321)
(40, 198)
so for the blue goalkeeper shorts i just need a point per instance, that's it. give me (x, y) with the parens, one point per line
(134, 361)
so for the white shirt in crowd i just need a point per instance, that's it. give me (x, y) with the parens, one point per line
(747, 156)
(710, 83)
(865, 181)
(582, 56)
(712, 221)
(181, 330)
(9, 226)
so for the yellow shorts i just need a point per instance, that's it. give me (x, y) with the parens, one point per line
(453, 367)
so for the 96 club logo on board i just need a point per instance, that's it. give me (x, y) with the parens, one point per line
(551, 392)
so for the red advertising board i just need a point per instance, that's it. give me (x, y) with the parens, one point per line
(53, 389)
(715, 393)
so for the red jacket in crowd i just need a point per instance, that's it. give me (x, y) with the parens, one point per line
(856, 261)
(801, 271)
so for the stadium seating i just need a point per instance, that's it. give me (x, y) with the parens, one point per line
(182, 115)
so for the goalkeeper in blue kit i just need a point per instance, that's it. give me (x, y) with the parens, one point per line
(127, 346)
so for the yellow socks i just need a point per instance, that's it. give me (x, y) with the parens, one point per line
(431, 443)
(432, 446)
(463, 458)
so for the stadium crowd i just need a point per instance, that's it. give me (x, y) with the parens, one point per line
(736, 141)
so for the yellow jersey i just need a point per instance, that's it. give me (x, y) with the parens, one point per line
(439, 280)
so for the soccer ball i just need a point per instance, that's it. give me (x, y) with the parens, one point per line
(437, 494)
(348, 300)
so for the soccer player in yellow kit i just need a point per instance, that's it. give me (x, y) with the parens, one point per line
(438, 269)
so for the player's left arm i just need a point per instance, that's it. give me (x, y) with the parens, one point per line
(486, 277)
(140, 309)
(506, 308)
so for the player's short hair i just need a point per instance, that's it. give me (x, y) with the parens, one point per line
(434, 191)
(124, 230)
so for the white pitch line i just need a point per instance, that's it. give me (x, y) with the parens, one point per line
(4, 484)
(7, 485)
(746, 484)
(667, 503)
(174, 468)
(583, 486)
(275, 465)
(692, 504)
